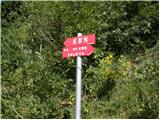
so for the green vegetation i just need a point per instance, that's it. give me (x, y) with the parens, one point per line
(120, 79)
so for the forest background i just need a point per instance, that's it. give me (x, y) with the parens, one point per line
(120, 79)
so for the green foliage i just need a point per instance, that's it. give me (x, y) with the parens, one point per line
(113, 68)
(128, 28)
(133, 95)
(120, 79)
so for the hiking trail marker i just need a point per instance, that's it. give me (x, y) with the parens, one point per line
(84, 50)
(80, 40)
(78, 46)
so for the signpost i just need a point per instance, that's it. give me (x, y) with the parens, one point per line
(78, 46)
(78, 85)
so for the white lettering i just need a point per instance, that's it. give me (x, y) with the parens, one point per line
(85, 39)
(79, 48)
(75, 54)
(79, 40)
(65, 50)
(84, 48)
(74, 49)
(74, 41)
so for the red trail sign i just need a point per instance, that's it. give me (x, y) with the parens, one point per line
(85, 50)
(80, 40)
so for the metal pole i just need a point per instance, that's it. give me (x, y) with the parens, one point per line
(78, 85)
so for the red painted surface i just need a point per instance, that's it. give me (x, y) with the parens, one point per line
(84, 50)
(81, 40)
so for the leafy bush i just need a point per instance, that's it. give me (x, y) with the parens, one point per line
(130, 95)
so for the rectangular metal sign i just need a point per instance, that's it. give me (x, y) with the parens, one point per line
(80, 40)
(85, 50)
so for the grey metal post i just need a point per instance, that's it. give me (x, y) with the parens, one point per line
(78, 85)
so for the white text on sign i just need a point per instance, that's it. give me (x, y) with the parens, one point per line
(75, 49)
(80, 40)
(75, 54)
